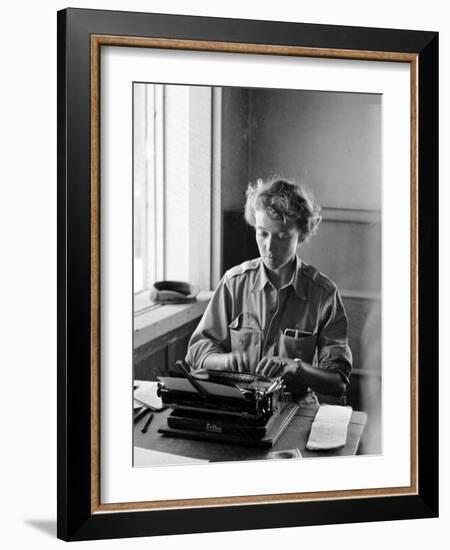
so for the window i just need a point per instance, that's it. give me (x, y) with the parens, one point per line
(175, 186)
(148, 185)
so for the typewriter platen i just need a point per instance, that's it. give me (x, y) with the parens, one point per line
(232, 407)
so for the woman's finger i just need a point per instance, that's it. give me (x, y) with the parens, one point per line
(268, 367)
(261, 365)
(277, 369)
(240, 362)
(232, 364)
(246, 362)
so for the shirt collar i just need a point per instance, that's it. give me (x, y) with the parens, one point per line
(261, 278)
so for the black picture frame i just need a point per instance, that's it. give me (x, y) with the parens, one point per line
(78, 515)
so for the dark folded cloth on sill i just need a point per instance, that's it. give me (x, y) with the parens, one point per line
(173, 292)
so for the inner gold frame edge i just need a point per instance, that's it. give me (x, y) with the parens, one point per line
(110, 40)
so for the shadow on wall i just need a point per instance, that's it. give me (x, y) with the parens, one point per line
(370, 383)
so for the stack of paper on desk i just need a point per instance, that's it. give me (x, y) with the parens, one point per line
(329, 429)
(145, 394)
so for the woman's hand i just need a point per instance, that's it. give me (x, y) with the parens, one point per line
(276, 366)
(298, 374)
(235, 361)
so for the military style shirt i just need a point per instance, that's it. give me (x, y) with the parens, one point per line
(304, 319)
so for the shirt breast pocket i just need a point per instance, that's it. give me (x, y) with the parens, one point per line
(245, 336)
(301, 345)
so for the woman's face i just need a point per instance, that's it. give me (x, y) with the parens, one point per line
(277, 241)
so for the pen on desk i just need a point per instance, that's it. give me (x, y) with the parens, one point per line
(147, 424)
(141, 412)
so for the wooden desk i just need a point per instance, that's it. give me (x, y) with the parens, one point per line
(295, 436)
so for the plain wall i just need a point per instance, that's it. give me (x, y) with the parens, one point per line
(330, 141)
(235, 147)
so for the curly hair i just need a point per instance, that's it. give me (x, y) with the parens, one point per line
(283, 200)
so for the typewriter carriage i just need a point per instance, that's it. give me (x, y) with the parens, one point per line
(248, 409)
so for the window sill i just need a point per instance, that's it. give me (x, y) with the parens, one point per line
(152, 324)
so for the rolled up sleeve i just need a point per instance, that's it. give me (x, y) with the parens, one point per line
(211, 334)
(334, 352)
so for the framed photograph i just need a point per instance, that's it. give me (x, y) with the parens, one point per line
(247, 274)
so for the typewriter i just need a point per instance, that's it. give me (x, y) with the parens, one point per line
(225, 406)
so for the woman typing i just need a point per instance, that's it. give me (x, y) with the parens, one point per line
(276, 315)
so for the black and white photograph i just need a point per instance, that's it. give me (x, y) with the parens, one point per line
(225, 275)
(246, 274)
(257, 274)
